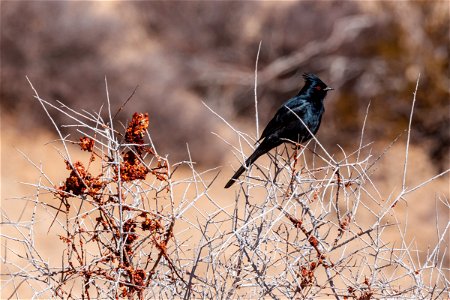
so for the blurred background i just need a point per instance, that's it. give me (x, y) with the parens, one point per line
(183, 53)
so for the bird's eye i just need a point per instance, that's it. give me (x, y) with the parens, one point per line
(318, 87)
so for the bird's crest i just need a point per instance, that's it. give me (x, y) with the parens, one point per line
(310, 77)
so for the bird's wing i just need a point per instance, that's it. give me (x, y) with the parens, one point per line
(286, 114)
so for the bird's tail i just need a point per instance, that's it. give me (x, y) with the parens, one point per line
(235, 176)
(260, 150)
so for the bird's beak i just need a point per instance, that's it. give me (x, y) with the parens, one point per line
(328, 89)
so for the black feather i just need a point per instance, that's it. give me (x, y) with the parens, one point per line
(285, 125)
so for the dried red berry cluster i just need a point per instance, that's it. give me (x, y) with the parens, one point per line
(80, 182)
(306, 274)
(86, 144)
(136, 129)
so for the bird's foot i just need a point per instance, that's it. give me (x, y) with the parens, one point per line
(297, 147)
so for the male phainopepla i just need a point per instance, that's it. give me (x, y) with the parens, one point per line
(285, 126)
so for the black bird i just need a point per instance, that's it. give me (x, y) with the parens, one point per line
(285, 126)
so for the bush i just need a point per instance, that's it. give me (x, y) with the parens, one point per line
(130, 226)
